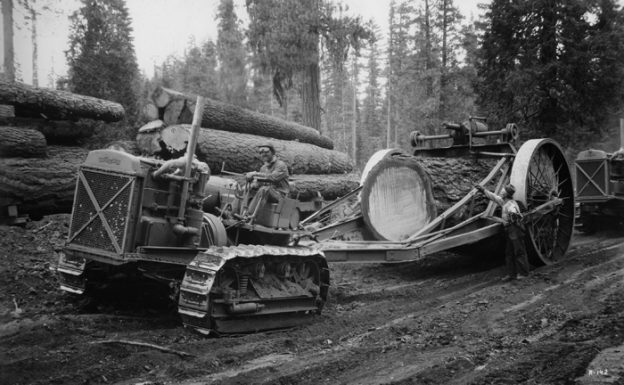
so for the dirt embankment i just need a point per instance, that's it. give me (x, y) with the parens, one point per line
(448, 320)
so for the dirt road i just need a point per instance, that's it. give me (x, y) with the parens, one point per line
(447, 320)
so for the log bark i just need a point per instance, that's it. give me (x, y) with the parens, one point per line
(21, 142)
(227, 117)
(7, 111)
(57, 105)
(150, 112)
(306, 187)
(400, 195)
(331, 186)
(55, 131)
(239, 151)
(41, 186)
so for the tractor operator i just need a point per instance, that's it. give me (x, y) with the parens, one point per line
(515, 250)
(271, 180)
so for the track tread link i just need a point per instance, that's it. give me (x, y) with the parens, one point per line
(196, 303)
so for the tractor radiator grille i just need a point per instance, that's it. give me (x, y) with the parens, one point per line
(592, 179)
(102, 210)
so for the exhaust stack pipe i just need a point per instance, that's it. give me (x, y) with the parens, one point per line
(621, 135)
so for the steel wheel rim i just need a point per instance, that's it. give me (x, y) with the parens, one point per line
(541, 172)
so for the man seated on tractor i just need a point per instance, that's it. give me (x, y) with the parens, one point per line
(515, 250)
(271, 181)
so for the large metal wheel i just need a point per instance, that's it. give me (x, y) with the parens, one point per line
(541, 174)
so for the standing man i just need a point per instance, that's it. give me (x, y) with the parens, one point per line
(272, 179)
(515, 250)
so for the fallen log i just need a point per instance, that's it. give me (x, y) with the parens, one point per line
(239, 151)
(7, 111)
(178, 108)
(330, 186)
(57, 105)
(150, 112)
(41, 186)
(400, 194)
(55, 131)
(308, 187)
(21, 142)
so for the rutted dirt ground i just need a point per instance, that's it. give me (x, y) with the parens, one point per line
(447, 320)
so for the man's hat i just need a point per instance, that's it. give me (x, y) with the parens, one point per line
(510, 189)
(267, 145)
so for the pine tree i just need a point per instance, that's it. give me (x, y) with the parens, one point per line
(448, 23)
(285, 34)
(555, 67)
(401, 72)
(101, 57)
(231, 55)
(372, 131)
(195, 72)
(7, 32)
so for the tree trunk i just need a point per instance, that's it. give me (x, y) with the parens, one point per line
(428, 51)
(227, 117)
(35, 54)
(310, 96)
(9, 52)
(55, 131)
(41, 186)
(22, 142)
(354, 132)
(57, 105)
(239, 151)
(443, 69)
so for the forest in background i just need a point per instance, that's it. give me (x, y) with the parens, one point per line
(554, 67)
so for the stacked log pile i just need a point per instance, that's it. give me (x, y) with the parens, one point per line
(36, 177)
(229, 139)
(177, 108)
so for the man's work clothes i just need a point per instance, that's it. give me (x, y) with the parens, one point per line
(515, 250)
(276, 172)
(509, 207)
(273, 184)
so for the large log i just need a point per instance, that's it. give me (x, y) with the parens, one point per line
(150, 112)
(41, 186)
(57, 105)
(401, 194)
(239, 151)
(307, 187)
(178, 108)
(21, 142)
(55, 131)
(330, 186)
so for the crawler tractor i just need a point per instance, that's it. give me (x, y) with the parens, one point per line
(230, 270)
(600, 187)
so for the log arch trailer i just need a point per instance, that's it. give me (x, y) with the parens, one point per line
(392, 215)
